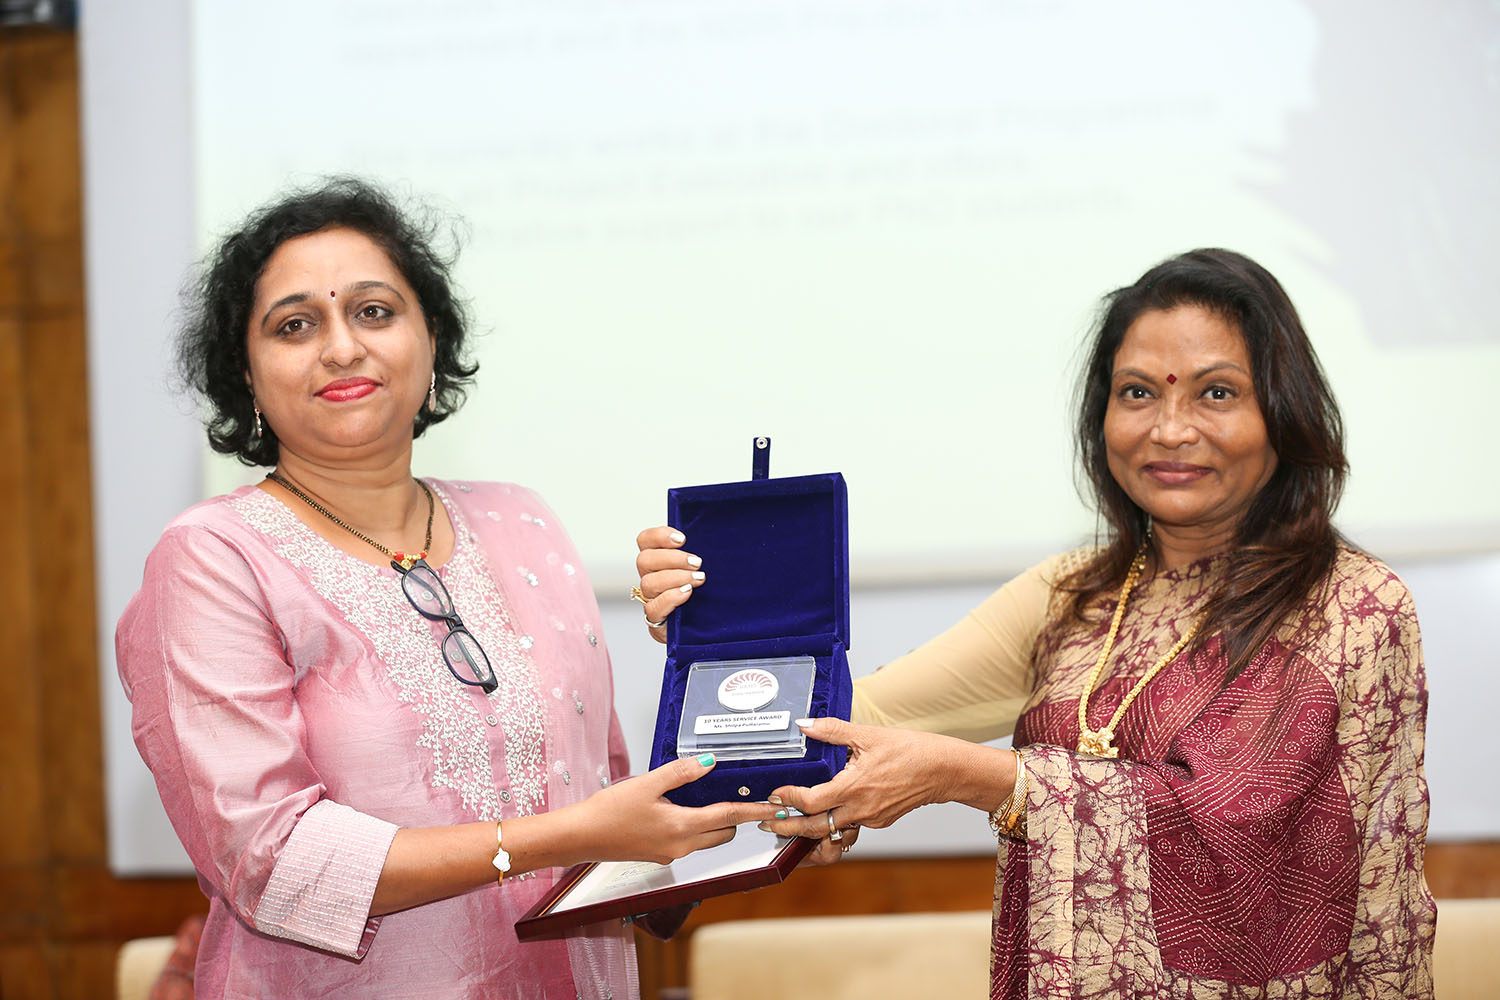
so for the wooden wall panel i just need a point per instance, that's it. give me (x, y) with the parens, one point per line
(24, 845)
(53, 389)
(62, 915)
(23, 839)
(1464, 870)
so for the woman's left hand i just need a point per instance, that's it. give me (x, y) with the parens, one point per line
(890, 772)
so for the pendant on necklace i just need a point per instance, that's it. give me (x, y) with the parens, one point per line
(1098, 743)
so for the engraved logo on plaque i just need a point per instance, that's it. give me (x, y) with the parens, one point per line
(747, 690)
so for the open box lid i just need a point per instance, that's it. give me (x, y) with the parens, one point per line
(776, 552)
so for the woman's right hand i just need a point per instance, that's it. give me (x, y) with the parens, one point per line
(638, 823)
(628, 821)
(668, 575)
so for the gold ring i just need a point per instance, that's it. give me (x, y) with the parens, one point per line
(636, 595)
(844, 849)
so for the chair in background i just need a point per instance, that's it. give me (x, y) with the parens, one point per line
(159, 968)
(1466, 952)
(947, 955)
(843, 958)
(139, 963)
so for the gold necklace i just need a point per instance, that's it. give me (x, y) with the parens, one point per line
(1100, 742)
(405, 561)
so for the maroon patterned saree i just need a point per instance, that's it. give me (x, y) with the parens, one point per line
(1260, 839)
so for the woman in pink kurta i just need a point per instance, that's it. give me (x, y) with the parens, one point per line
(297, 712)
(1218, 712)
(372, 796)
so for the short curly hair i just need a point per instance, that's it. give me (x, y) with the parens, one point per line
(212, 355)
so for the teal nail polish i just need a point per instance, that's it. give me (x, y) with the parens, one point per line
(706, 759)
(781, 814)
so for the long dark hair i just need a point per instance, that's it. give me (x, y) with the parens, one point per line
(211, 352)
(1286, 543)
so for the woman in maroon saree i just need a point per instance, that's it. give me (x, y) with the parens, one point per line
(1218, 712)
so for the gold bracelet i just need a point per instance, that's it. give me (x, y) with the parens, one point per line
(502, 858)
(1015, 825)
(1002, 819)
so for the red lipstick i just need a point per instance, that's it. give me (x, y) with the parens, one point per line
(345, 389)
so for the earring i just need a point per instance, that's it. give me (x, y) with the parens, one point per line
(432, 393)
(255, 434)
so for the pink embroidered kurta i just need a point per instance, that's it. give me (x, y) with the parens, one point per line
(296, 710)
(1260, 839)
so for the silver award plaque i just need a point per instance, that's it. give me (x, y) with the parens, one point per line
(746, 709)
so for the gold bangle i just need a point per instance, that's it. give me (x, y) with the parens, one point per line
(1001, 818)
(1015, 825)
(1009, 818)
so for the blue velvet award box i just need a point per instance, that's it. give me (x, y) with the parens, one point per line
(776, 552)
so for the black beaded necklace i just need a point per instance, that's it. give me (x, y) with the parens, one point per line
(405, 561)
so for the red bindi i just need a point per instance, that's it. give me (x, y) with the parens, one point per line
(1171, 380)
(333, 295)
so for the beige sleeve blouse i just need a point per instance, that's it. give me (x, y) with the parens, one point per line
(973, 680)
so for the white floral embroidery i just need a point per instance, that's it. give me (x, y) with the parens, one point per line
(1209, 738)
(1317, 723)
(454, 729)
(1265, 925)
(1197, 962)
(517, 701)
(1320, 841)
(1196, 862)
(1261, 815)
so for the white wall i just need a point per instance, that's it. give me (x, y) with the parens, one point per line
(875, 230)
(145, 129)
(147, 445)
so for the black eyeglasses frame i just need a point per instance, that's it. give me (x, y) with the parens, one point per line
(457, 631)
